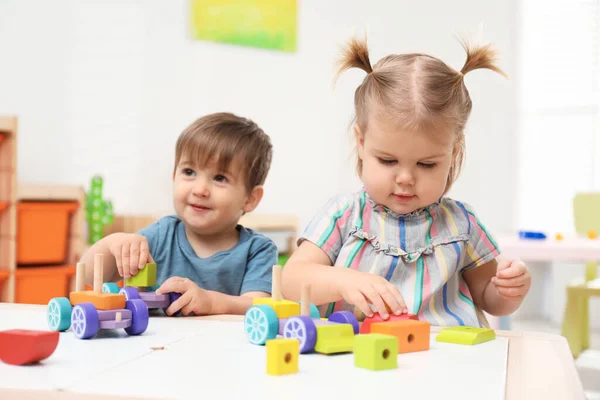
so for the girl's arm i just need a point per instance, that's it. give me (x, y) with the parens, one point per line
(496, 293)
(310, 265)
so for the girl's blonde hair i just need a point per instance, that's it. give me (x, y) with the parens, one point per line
(417, 92)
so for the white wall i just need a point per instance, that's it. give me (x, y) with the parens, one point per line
(107, 86)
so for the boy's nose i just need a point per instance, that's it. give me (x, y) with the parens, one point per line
(200, 189)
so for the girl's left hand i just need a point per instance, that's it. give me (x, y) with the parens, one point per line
(194, 300)
(512, 279)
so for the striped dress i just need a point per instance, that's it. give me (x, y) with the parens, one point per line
(423, 253)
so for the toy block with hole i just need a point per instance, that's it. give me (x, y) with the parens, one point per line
(334, 338)
(86, 312)
(24, 346)
(412, 335)
(365, 327)
(282, 356)
(465, 335)
(375, 351)
(144, 278)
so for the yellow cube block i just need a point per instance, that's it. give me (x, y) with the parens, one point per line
(283, 308)
(282, 356)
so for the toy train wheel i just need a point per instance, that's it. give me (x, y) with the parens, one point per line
(302, 328)
(84, 321)
(172, 298)
(139, 317)
(59, 314)
(110, 287)
(261, 324)
(345, 317)
(130, 293)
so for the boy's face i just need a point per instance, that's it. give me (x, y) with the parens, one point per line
(210, 200)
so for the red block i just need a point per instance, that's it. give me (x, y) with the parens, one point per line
(366, 325)
(22, 346)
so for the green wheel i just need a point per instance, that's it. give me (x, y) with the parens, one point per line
(261, 324)
(59, 314)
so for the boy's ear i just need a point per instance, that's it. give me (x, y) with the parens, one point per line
(360, 141)
(253, 199)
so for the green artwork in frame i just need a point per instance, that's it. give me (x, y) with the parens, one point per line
(269, 24)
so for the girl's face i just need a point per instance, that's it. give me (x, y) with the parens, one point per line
(404, 170)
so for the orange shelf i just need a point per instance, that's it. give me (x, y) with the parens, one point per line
(2, 137)
(37, 285)
(3, 275)
(4, 205)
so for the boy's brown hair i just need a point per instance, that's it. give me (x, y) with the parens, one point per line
(225, 138)
(419, 92)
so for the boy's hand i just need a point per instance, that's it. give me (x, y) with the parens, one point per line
(361, 288)
(512, 279)
(131, 253)
(193, 300)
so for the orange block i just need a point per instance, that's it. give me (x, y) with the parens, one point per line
(102, 301)
(412, 335)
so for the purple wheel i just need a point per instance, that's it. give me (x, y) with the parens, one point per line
(130, 293)
(84, 321)
(139, 317)
(345, 317)
(172, 298)
(302, 328)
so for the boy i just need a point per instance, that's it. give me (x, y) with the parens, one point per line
(221, 163)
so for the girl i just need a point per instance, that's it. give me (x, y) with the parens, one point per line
(399, 244)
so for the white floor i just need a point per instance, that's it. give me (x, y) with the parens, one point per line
(588, 363)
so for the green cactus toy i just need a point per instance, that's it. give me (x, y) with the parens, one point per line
(99, 212)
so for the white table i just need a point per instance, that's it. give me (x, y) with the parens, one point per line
(537, 366)
(574, 249)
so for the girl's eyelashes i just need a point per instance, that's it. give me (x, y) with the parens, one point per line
(386, 161)
(426, 165)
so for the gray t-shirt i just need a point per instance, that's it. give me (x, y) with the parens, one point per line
(246, 267)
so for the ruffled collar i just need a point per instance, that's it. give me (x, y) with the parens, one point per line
(414, 214)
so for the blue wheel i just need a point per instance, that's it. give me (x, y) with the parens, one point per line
(345, 317)
(302, 328)
(130, 293)
(110, 287)
(261, 324)
(139, 317)
(59, 314)
(84, 321)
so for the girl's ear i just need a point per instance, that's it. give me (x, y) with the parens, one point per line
(253, 199)
(360, 141)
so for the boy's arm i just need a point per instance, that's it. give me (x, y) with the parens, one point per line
(109, 265)
(227, 304)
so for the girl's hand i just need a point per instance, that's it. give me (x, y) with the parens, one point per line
(512, 279)
(194, 300)
(131, 253)
(362, 288)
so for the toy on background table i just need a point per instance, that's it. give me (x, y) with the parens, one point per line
(592, 234)
(99, 212)
(269, 317)
(465, 335)
(146, 277)
(532, 235)
(86, 312)
(560, 236)
(25, 346)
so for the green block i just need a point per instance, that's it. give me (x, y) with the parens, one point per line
(334, 338)
(465, 335)
(145, 277)
(375, 351)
